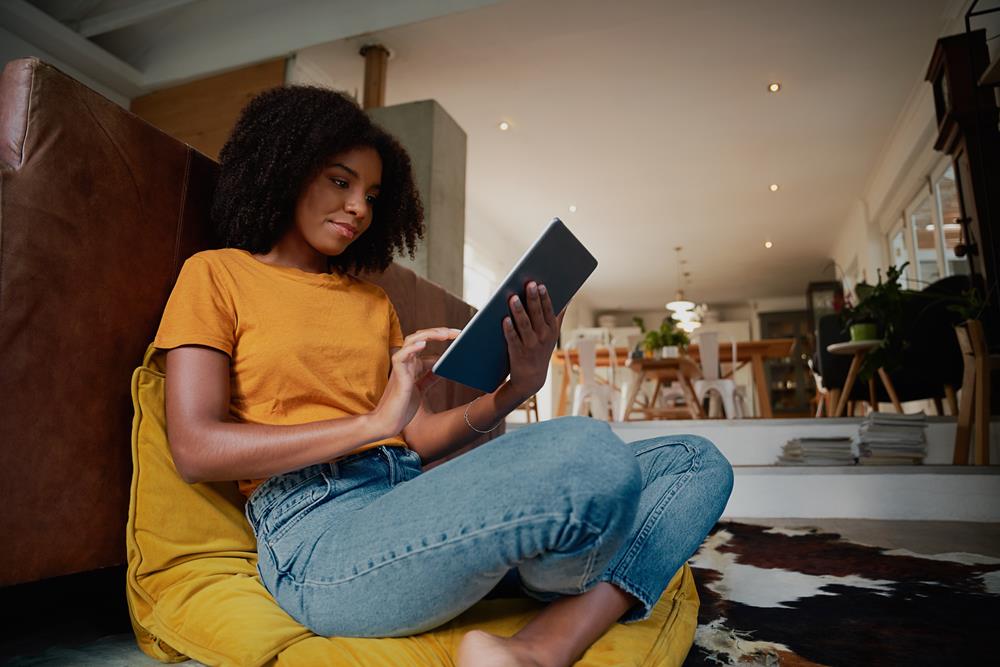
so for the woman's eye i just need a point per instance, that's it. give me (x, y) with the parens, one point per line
(340, 183)
(371, 199)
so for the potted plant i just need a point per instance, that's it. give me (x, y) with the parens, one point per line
(665, 342)
(878, 315)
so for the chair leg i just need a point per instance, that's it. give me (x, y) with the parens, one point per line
(982, 408)
(852, 374)
(741, 405)
(963, 429)
(938, 406)
(728, 404)
(713, 404)
(578, 395)
(891, 390)
(949, 396)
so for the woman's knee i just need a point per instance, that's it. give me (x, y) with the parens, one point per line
(599, 454)
(714, 466)
(586, 452)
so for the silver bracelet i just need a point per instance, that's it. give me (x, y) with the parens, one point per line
(469, 424)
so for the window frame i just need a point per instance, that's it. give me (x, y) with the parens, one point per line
(913, 274)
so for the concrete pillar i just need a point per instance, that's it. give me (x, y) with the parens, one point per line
(436, 145)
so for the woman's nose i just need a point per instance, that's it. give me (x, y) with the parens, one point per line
(356, 207)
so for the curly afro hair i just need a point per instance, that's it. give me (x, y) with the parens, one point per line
(283, 138)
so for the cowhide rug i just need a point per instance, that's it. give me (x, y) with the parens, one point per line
(778, 596)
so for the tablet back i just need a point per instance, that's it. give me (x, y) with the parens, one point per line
(478, 357)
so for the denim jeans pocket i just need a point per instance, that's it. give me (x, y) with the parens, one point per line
(292, 507)
(659, 443)
(409, 465)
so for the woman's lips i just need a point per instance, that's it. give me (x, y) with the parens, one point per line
(344, 230)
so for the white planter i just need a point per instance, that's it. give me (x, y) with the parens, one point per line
(670, 352)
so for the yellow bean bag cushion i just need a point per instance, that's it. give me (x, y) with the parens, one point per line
(193, 589)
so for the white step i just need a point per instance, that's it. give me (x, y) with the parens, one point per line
(935, 490)
(918, 492)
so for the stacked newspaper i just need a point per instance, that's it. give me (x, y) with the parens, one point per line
(892, 439)
(818, 452)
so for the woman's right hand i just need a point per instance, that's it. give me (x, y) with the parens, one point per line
(407, 380)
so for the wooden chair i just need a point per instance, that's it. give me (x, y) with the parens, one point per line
(974, 409)
(530, 406)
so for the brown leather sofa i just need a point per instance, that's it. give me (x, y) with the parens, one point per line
(98, 211)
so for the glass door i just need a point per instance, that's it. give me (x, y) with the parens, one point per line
(923, 240)
(949, 230)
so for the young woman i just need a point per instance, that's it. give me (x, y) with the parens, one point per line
(290, 374)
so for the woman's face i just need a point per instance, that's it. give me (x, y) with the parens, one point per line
(335, 208)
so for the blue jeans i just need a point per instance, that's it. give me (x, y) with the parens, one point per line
(370, 546)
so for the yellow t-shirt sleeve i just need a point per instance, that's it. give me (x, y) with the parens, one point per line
(199, 311)
(395, 331)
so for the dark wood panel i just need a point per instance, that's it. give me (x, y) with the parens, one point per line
(202, 113)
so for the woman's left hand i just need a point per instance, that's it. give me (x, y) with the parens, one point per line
(531, 332)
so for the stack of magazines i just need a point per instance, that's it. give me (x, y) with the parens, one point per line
(818, 452)
(892, 439)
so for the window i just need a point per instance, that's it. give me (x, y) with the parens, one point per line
(479, 280)
(948, 230)
(921, 219)
(929, 231)
(898, 254)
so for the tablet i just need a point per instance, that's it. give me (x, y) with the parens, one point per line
(478, 357)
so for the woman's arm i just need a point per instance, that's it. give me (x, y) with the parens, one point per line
(207, 445)
(531, 333)
(434, 435)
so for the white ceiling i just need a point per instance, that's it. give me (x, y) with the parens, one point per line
(654, 120)
(130, 47)
(652, 117)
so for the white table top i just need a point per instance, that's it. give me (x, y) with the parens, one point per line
(853, 346)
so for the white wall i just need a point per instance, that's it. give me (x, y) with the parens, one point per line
(906, 160)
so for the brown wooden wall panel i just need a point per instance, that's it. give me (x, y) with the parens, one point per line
(202, 113)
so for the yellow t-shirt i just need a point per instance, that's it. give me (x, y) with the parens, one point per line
(303, 346)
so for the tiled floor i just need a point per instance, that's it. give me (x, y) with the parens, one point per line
(81, 621)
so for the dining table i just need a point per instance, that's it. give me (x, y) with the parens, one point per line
(753, 352)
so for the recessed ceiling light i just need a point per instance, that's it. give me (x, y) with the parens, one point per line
(768, 244)
(572, 208)
(774, 87)
(774, 187)
(504, 125)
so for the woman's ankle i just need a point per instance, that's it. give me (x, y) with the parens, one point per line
(544, 651)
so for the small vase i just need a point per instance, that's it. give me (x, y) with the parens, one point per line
(670, 352)
(864, 331)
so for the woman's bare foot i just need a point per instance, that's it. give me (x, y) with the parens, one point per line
(479, 648)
